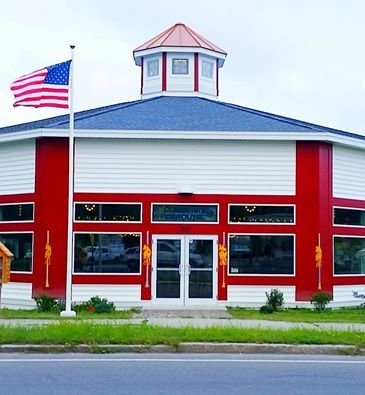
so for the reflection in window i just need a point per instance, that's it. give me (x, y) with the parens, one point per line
(21, 245)
(108, 212)
(352, 217)
(152, 68)
(207, 69)
(349, 255)
(107, 253)
(184, 213)
(261, 254)
(180, 66)
(261, 214)
(16, 212)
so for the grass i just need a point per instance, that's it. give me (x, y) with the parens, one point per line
(54, 315)
(73, 333)
(353, 315)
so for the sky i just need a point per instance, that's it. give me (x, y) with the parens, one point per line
(304, 59)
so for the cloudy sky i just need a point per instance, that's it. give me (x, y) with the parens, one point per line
(299, 58)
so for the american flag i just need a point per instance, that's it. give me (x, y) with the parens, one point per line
(47, 87)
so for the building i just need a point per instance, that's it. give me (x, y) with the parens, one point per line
(189, 177)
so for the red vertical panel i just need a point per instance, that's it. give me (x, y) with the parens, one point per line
(217, 80)
(164, 71)
(313, 216)
(142, 67)
(51, 195)
(196, 72)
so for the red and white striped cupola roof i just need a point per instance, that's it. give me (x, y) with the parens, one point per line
(179, 62)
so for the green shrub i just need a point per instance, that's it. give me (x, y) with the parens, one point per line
(320, 300)
(95, 305)
(45, 303)
(266, 309)
(275, 299)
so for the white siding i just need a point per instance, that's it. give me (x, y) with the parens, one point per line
(17, 296)
(121, 295)
(163, 166)
(152, 84)
(348, 173)
(255, 294)
(208, 85)
(180, 82)
(17, 164)
(343, 295)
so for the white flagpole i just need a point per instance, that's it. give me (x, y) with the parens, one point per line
(68, 312)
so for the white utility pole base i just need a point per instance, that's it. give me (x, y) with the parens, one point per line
(68, 313)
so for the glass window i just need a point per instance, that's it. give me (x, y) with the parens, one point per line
(207, 69)
(107, 253)
(16, 212)
(349, 255)
(108, 212)
(261, 254)
(21, 245)
(184, 213)
(351, 217)
(180, 66)
(261, 214)
(152, 68)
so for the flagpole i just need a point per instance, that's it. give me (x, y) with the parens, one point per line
(68, 312)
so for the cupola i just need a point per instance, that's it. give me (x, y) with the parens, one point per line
(179, 62)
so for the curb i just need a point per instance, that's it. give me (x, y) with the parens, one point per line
(201, 348)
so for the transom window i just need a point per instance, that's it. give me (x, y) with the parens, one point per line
(207, 69)
(244, 213)
(261, 254)
(349, 255)
(16, 212)
(184, 213)
(21, 245)
(107, 253)
(180, 66)
(350, 217)
(108, 212)
(152, 68)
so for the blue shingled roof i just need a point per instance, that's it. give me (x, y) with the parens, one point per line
(177, 114)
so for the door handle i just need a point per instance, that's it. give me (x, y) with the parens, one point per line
(180, 267)
(189, 269)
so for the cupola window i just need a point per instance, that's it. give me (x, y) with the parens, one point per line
(207, 69)
(180, 66)
(152, 68)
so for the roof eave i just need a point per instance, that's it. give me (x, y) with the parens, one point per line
(188, 135)
(151, 51)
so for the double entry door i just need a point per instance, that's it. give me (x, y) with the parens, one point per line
(184, 269)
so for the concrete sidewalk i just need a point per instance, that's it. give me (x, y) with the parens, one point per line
(195, 318)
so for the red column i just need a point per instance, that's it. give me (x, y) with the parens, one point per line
(313, 217)
(51, 194)
(196, 72)
(164, 71)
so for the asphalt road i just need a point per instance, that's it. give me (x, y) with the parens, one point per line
(180, 374)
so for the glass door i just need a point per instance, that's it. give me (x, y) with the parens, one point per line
(184, 269)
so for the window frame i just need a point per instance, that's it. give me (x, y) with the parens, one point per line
(32, 261)
(180, 74)
(258, 274)
(262, 223)
(184, 204)
(344, 225)
(108, 222)
(111, 273)
(333, 255)
(17, 204)
(148, 62)
(211, 77)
